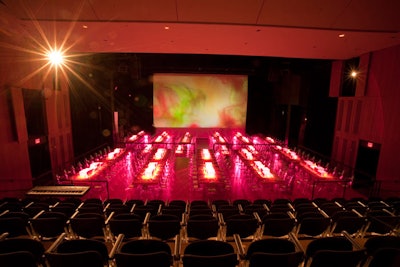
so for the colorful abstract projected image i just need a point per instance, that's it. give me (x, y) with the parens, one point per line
(200, 101)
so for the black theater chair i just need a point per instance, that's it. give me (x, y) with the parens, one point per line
(18, 258)
(274, 252)
(15, 223)
(77, 252)
(143, 252)
(333, 251)
(18, 244)
(277, 224)
(164, 226)
(128, 224)
(210, 253)
(202, 227)
(49, 225)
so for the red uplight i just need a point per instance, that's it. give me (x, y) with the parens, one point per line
(370, 144)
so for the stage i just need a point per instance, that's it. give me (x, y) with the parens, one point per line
(181, 165)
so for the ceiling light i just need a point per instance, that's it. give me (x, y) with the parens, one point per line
(341, 35)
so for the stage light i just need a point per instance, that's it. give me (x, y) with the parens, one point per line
(55, 57)
(353, 74)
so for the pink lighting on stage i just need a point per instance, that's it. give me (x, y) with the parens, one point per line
(160, 154)
(147, 148)
(186, 138)
(225, 150)
(316, 168)
(263, 170)
(292, 155)
(89, 171)
(161, 137)
(205, 154)
(270, 140)
(151, 171)
(179, 150)
(114, 154)
(135, 137)
(247, 154)
(209, 170)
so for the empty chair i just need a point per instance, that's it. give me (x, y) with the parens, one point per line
(34, 208)
(261, 210)
(197, 203)
(331, 258)
(112, 201)
(143, 252)
(243, 225)
(220, 202)
(242, 202)
(382, 250)
(202, 227)
(381, 222)
(15, 224)
(261, 201)
(130, 225)
(312, 224)
(385, 257)
(88, 225)
(164, 226)
(137, 202)
(47, 225)
(156, 202)
(143, 210)
(35, 247)
(67, 208)
(210, 253)
(117, 208)
(327, 244)
(275, 252)
(97, 201)
(330, 208)
(178, 202)
(91, 208)
(70, 250)
(173, 210)
(348, 221)
(277, 224)
(228, 211)
(18, 258)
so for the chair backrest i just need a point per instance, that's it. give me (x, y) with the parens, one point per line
(202, 226)
(159, 259)
(208, 248)
(125, 223)
(335, 258)
(33, 246)
(313, 226)
(164, 226)
(224, 260)
(76, 259)
(243, 224)
(277, 226)
(14, 226)
(17, 258)
(143, 246)
(374, 243)
(88, 225)
(49, 224)
(385, 257)
(81, 245)
(270, 245)
(291, 259)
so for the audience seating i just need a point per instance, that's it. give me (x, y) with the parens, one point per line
(370, 225)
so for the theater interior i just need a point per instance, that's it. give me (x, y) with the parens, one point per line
(199, 133)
